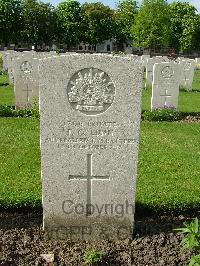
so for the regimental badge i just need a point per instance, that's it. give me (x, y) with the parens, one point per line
(91, 91)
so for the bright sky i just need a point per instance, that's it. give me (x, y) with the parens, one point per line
(113, 3)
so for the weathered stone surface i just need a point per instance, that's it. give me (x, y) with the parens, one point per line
(149, 68)
(165, 89)
(90, 120)
(6, 58)
(10, 59)
(187, 67)
(26, 83)
(144, 59)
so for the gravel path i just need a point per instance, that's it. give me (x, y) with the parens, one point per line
(22, 242)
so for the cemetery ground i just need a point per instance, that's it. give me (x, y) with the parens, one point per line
(168, 192)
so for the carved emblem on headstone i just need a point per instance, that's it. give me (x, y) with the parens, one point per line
(91, 91)
(26, 67)
(167, 72)
(187, 65)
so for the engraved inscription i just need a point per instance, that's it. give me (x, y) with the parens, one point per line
(26, 68)
(99, 135)
(167, 72)
(91, 91)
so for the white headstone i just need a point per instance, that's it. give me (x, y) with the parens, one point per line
(165, 89)
(149, 69)
(187, 67)
(26, 83)
(90, 120)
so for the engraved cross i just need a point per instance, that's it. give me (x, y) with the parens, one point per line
(89, 177)
(166, 95)
(27, 92)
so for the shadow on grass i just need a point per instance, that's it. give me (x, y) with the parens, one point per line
(4, 84)
(190, 91)
(148, 221)
(143, 211)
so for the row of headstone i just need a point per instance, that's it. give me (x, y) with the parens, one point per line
(22, 68)
(90, 109)
(168, 78)
(187, 67)
(23, 73)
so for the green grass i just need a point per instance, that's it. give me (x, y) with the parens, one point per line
(169, 164)
(6, 91)
(4, 79)
(169, 159)
(20, 183)
(188, 101)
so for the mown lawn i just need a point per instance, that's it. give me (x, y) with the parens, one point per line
(20, 183)
(169, 165)
(6, 91)
(168, 174)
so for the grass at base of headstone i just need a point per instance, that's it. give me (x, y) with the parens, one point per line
(168, 174)
(169, 166)
(4, 80)
(189, 101)
(20, 181)
(196, 80)
(6, 91)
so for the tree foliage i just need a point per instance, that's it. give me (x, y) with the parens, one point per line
(151, 27)
(10, 20)
(38, 22)
(124, 19)
(69, 22)
(154, 24)
(184, 24)
(98, 22)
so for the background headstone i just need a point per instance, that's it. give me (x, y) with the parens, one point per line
(187, 67)
(149, 69)
(90, 117)
(10, 59)
(165, 89)
(197, 63)
(26, 83)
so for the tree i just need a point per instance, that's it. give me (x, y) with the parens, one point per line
(99, 23)
(152, 25)
(124, 19)
(38, 22)
(69, 22)
(184, 26)
(10, 20)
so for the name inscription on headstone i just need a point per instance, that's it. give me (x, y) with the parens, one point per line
(90, 135)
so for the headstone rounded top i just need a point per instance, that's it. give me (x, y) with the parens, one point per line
(91, 91)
